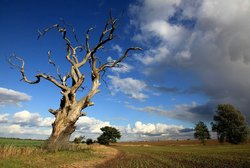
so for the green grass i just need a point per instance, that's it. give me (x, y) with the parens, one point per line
(46, 160)
(21, 142)
(17, 153)
(190, 156)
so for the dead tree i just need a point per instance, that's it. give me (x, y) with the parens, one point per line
(70, 108)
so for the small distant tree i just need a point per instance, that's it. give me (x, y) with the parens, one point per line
(109, 135)
(79, 139)
(201, 132)
(89, 141)
(230, 124)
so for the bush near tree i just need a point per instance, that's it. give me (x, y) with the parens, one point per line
(201, 132)
(109, 135)
(89, 141)
(79, 139)
(230, 124)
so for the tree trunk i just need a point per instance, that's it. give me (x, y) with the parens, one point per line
(70, 108)
(62, 128)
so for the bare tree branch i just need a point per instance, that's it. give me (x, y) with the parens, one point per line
(54, 65)
(40, 34)
(70, 108)
(59, 29)
(115, 63)
(108, 32)
(87, 39)
(73, 32)
(38, 76)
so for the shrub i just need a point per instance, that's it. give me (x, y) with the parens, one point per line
(89, 141)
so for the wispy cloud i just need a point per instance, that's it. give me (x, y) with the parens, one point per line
(122, 68)
(117, 48)
(132, 87)
(163, 89)
(4, 118)
(185, 112)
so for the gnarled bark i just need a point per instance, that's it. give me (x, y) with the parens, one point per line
(62, 128)
(70, 108)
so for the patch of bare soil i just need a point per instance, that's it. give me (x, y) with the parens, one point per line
(104, 154)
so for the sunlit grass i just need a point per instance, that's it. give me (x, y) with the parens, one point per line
(16, 153)
(172, 154)
(181, 155)
(21, 142)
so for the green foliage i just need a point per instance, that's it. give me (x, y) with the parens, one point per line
(102, 139)
(230, 124)
(89, 141)
(79, 139)
(201, 132)
(109, 135)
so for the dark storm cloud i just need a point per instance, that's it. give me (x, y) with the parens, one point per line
(186, 130)
(163, 89)
(216, 50)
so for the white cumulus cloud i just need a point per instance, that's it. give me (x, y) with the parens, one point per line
(31, 119)
(155, 129)
(12, 97)
(16, 129)
(25, 124)
(90, 125)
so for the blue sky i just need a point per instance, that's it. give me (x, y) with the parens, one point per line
(195, 55)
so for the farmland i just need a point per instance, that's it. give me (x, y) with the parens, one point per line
(16, 153)
(180, 154)
(172, 154)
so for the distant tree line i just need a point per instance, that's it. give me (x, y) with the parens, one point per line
(229, 124)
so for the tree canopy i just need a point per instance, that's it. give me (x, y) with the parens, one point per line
(230, 124)
(201, 132)
(109, 135)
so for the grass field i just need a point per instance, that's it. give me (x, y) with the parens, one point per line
(15, 153)
(21, 142)
(173, 154)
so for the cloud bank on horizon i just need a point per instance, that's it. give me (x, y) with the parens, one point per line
(26, 124)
